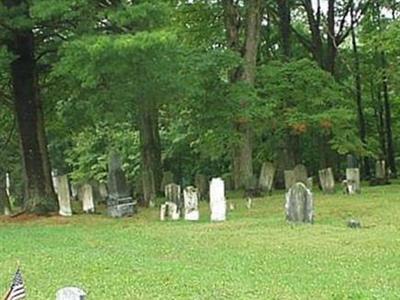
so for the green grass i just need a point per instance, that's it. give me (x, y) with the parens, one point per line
(253, 255)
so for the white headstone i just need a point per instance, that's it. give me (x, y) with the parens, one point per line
(163, 209)
(64, 199)
(217, 200)
(70, 293)
(8, 184)
(353, 180)
(54, 179)
(190, 197)
(86, 194)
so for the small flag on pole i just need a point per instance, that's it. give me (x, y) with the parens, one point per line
(17, 289)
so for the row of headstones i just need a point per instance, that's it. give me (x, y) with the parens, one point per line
(117, 193)
(299, 174)
(186, 206)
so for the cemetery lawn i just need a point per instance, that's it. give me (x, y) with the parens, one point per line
(254, 255)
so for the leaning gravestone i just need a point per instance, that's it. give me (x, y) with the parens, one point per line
(300, 173)
(86, 195)
(353, 180)
(70, 293)
(168, 177)
(266, 179)
(201, 183)
(169, 210)
(191, 203)
(119, 202)
(173, 194)
(217, 200)
(327, 181)
(290, 179)
(64, 199)
(299, 204)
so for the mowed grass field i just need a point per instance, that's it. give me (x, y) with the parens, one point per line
(255, 254)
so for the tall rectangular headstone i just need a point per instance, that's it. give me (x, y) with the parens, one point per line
(380, 170)
(267, 175)
(64, 199)
(327, 180)
(54, 174)
(86, 195)
(217, 200)
(173, 194)
(5, 206)
(191, 201)
(119, 202)
(353, 180)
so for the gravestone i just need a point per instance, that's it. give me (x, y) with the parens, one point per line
(8, 185)
(353, 180)
(201, 183)
(86, 196)
(64, 199)
(327, 180)
(70, 293)
(119, 201)
(310, 182)
(103, 191)
(169, 210)
(5, 206)
(380, 170)
(299, 204)
(289, 178)
(168, 177)
(300, 173)
(173, 194)
(191, 211)
(54, 174)
(217, 200)
(267, 175)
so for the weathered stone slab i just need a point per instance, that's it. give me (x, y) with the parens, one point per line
(290, 178)
(86, 195)
(380, 170)
(217, 200)
(5, 205)
(191, 204)
(70, 293)
(169, 210)
(353, 180)
(310, 182)
(300, 173)
(299, 204)
(64, 199)
(267, 175)
(119, 202)
(201, 183)
(327, 180)
(173, 194)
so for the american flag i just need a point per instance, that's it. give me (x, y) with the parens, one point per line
(17, 289)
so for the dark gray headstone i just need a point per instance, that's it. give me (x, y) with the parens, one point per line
(70, 293)
(119, 202)
(299, 204)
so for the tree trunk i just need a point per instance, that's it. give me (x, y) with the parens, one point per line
(284, 27)
(331, 51)
(388, 120)
(5, 206)
(39, 192)
(360, 111)
(242, 154)
(150, 150)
